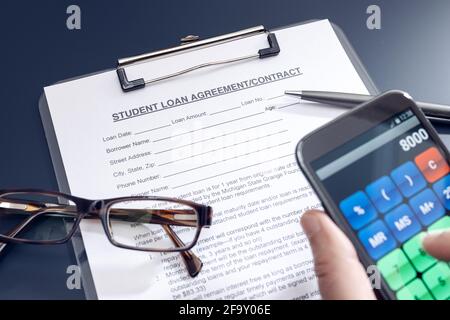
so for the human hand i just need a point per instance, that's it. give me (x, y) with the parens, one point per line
(340, 274)
(437, 244)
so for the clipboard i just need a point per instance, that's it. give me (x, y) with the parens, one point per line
(127, 85)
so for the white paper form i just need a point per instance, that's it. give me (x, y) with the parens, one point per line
(224, 136)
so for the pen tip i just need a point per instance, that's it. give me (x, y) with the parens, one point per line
(293, 92)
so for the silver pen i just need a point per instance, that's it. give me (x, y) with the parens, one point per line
(434, 112)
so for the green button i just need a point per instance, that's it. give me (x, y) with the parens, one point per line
(437, 280)
(396, 269)
(419, 258)
(442, 224)
(415, 290)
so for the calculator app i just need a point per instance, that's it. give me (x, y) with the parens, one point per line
(392, 185)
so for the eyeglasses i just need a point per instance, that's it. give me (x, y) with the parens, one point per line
(150, 224)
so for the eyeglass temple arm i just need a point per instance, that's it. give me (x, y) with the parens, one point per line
(191, 261)
(18, 229)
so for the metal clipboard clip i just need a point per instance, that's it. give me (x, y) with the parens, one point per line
(191, 42)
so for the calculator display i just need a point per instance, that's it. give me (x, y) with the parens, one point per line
(392, 184)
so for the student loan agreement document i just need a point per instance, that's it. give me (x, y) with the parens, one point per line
(222, 136)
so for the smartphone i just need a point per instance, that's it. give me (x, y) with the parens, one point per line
(382, 174)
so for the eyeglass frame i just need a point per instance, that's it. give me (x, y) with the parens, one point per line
(100, 209)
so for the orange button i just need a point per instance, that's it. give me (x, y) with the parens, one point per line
(432, 164)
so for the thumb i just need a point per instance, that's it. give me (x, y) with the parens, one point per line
(437, 244)
(340, 274)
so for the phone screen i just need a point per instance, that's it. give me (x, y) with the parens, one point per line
(391, 185)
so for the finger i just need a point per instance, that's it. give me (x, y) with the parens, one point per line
(437, 244)
(340, 274)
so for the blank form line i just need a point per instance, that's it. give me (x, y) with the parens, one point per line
(273, 98)
(208, 127)
(289, 105)
(260, 125)
(226, 147)
(220, 136)
(226, 110)
(228, 159)
(154, 129)
(232, 171)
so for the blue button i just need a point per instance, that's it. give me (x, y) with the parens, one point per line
(377, 239)
(408, 179)
(403, 223)
(442, 189)
(427, 207)
(358, 210)
(384, 194)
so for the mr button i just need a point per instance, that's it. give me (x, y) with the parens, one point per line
(377, 239)
(432, 164)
